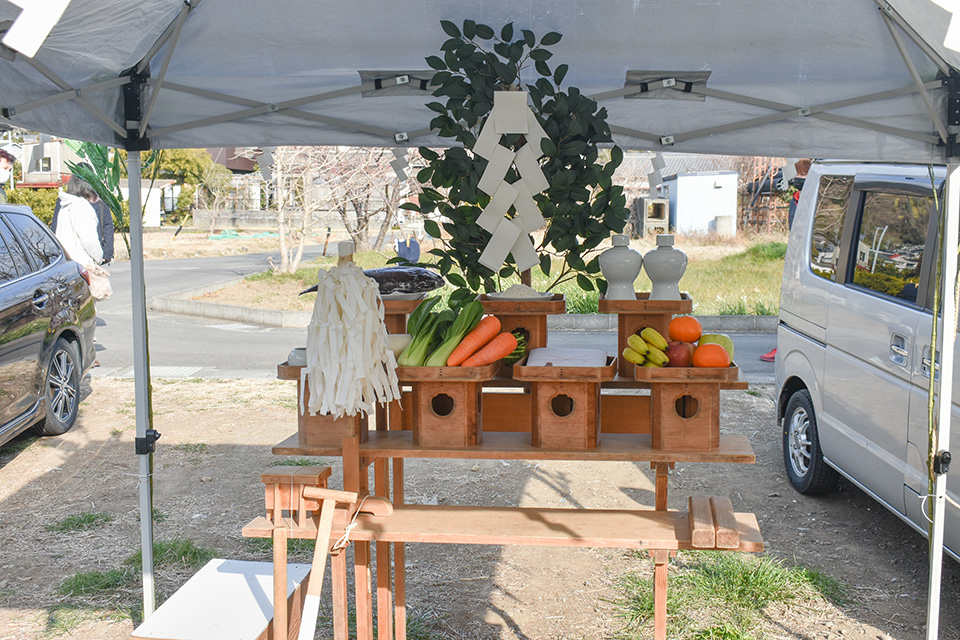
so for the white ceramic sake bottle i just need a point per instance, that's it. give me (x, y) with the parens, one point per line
(620, 266)
(665, 266)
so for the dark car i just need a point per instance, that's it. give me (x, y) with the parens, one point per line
(47, 323)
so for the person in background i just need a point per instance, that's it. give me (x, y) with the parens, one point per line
(104, 227)
(802, 166)
(6, 169)
(77, 224)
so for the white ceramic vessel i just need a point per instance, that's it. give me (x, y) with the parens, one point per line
(665, 266)
(620, 266)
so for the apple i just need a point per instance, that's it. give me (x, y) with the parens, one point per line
(718, 338)
(679, 354)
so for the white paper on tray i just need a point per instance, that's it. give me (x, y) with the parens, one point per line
(566, 357)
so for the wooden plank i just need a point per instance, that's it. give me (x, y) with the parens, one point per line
(280, 625)
(728, 533)
(341, 613)
(363, 590)
(436, 374)
(661, 560)
(533, 306)
(526, 373)
(624, 414)
(224, 599)
(661, 485)
(702, 533)
(643, 304)
(640, 529)
(688, 374)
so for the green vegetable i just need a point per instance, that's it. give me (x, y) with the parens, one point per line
(469, 318)
(426, 330)
(517, 354)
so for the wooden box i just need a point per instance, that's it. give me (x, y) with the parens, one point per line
(283, 488)
(447, 404)
(565, 404)
(635, 315)
(320, 430)
(530, 315)
(685, 405)
(395, 313)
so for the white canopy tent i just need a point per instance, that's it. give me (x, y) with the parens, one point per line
(857, 79)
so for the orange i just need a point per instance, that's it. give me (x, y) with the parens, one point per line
(711, 355)
(685, 329)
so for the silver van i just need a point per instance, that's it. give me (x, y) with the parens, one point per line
(853, 344)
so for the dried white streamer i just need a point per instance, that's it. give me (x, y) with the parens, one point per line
(350, 367)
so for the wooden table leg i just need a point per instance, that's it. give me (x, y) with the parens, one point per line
(663, 474)
(661, 559)
(280, 622)
(384, 596)
(361, 572)
(399, 559)
(338, 573)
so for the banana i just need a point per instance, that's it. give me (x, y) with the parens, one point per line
(632, 356)
(636, 343)
(657, 357)
(650, 365)
(653, 337)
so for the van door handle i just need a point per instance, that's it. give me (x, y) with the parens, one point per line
(40, 299)
(898, 350)
(925, 364)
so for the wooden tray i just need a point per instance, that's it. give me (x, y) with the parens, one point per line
(688, 374)
(288, 371)
(401, 306)
(459, 374)
(643, 304)
(573, 374)
(533, 306)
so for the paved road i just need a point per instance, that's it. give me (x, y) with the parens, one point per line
(182, 346)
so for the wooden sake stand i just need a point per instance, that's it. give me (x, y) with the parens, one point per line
(635, 315)
(626, 426)
(395, 313)
(529, 314)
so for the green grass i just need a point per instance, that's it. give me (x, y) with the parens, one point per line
(295, 546)
(192, 447)
(95, 582)
(158, 516)
(722, 595)
(81, 521)
(180, 552)
(64, 620)
(297, 462)
(18, 445)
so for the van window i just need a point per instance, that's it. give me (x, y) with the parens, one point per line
(828, 224)
(889, 243)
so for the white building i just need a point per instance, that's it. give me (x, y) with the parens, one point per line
(702, 202)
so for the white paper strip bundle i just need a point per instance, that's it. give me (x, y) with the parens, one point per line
(349, 365)
(510, 115)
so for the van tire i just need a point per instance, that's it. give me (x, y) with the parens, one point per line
(808, 472)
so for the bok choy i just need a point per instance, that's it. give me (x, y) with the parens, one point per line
(468, 318)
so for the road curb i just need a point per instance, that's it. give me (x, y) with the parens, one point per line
(182, 303)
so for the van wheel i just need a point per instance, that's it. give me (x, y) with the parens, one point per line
(62, 387)
(807, 471)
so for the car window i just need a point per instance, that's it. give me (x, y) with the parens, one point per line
(832, 199)
(36, 238)
(8, 267)
(888, 255)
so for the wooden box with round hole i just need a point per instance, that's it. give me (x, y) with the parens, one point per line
(447, 403)
(685, 405)
(529, 315)
(635, 315)
(565, 403)
(320, 430)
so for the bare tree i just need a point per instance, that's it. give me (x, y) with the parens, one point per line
(293, 173)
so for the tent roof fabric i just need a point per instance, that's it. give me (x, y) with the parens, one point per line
(233, 56)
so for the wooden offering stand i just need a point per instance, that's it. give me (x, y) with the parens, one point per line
(635, 315)
(677, 421)
(529, 314)
(395, 313)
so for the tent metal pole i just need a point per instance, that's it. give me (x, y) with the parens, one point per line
(63, 96)
(917, 80)
(891, 13)
(188, 6)
(948, 337)
(65, 86)
(141, 383)
(177, 27)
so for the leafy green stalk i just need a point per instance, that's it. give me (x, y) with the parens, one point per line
(426, 331)
(469, 318)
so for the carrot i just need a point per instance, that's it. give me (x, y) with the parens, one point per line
(485, 331)
(500, 347)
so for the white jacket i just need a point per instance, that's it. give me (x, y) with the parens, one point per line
(77, 230)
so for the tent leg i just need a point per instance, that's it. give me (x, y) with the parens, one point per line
(141, 382)
(945, 400)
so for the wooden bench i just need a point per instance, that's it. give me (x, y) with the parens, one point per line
(710, 523)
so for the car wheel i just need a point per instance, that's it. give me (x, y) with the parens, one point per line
(807, 471)
(62, 388)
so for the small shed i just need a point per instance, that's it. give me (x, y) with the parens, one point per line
(702, 202)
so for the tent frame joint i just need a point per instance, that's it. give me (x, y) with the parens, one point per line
(148, 443)
(133, 93)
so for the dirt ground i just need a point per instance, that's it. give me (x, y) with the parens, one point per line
(217, 437)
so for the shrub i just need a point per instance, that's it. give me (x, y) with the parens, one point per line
(41, 201)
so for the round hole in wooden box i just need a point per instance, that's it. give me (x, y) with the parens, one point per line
(442, 405)
(562, 405)
(687, 406)
(524, 332)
